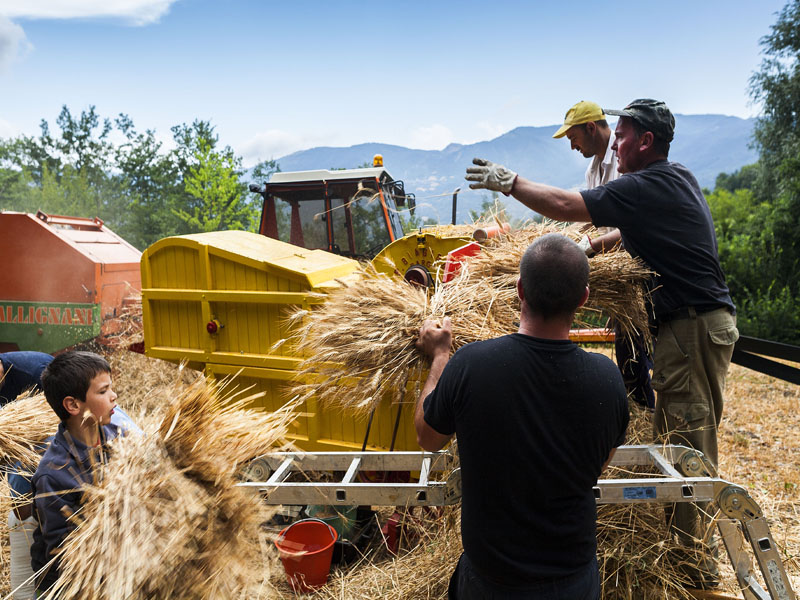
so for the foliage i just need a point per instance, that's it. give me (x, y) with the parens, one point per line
(753, 259)
(264, 170)
(142, 191)
(743, 179)
(219, 197)
(756, 209)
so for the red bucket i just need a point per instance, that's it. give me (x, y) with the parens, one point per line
(306, 549)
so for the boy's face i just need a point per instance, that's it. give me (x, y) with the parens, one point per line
(101, 399)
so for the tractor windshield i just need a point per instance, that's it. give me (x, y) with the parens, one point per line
(352, 217)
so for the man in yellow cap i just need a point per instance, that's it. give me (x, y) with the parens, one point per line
(587, 130)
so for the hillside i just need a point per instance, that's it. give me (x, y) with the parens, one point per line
(707, 144)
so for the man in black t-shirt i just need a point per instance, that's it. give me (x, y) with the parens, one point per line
(537, 419)
(663, 218)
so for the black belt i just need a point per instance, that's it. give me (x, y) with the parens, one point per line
(689, 312)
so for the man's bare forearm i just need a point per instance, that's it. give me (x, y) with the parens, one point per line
(551, 202)
(606, 242)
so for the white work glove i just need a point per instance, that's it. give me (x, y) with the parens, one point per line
(586, 245)
(490, 176)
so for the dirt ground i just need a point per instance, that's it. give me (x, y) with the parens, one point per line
(759, 444)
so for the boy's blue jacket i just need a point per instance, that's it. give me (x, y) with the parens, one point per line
(65, 467)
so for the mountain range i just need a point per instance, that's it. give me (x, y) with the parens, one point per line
(707, 144)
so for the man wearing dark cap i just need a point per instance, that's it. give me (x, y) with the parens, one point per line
(664, 219)
(587, 130)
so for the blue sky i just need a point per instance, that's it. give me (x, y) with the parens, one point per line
(276, 77)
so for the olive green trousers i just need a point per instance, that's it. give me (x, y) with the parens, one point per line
(691, 360)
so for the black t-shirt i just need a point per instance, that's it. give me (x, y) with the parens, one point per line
(22, 371)
(664, 218)
(535, 420)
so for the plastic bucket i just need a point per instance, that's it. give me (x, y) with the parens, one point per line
(341, 518)
(306, 549)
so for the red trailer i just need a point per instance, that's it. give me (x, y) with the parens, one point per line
(61, 279)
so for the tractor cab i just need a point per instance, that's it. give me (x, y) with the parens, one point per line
(352, 212)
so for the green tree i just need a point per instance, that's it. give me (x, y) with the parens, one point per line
(151, 184)
(769, 236)
(264, 170)
(220, 202)
(743, 179)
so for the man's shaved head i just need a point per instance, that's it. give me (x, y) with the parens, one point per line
(554, 273)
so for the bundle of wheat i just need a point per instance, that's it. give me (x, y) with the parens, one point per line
(25, 424)
(165, 518)
(616, 279)
(366, 330)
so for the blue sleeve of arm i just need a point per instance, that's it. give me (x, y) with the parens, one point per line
(52, 502)
(19, 481)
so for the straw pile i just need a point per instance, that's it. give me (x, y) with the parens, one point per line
(420, 573)
(165, 518)
(365, 331)
(25, 424)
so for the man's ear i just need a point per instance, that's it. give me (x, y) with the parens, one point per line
(585, 297)
(72, 405)
(591, 127)
(520, 291)
(646, 141)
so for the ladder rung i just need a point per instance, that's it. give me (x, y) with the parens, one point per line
(662, 463)
(282, 472)
(352, 470)
(424, 471)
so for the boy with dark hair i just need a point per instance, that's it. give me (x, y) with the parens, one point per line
(77, 385)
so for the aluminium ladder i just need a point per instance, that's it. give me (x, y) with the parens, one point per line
(685, 475)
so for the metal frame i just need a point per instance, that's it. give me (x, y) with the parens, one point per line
(747, 350)
(685, 475)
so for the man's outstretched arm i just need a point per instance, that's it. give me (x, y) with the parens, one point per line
(547, 200)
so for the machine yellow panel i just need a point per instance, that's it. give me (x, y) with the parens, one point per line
(424, 252)
(218, 301)
(392, 425)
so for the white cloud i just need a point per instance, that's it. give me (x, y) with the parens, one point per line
(138, 12)
(8, 130)
(433, 137)
(13, 42)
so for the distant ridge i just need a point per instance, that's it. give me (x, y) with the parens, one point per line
(707, 144)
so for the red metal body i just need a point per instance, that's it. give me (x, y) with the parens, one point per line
(56, 259)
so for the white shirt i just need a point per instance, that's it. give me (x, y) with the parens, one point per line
(603, 169)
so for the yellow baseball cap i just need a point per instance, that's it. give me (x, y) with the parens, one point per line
(582, 112)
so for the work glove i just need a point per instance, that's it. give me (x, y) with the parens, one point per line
(585, 244)
(490, 176)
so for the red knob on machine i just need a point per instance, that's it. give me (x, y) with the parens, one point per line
(213, 326)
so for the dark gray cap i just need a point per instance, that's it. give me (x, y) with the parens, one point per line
(651, 114)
